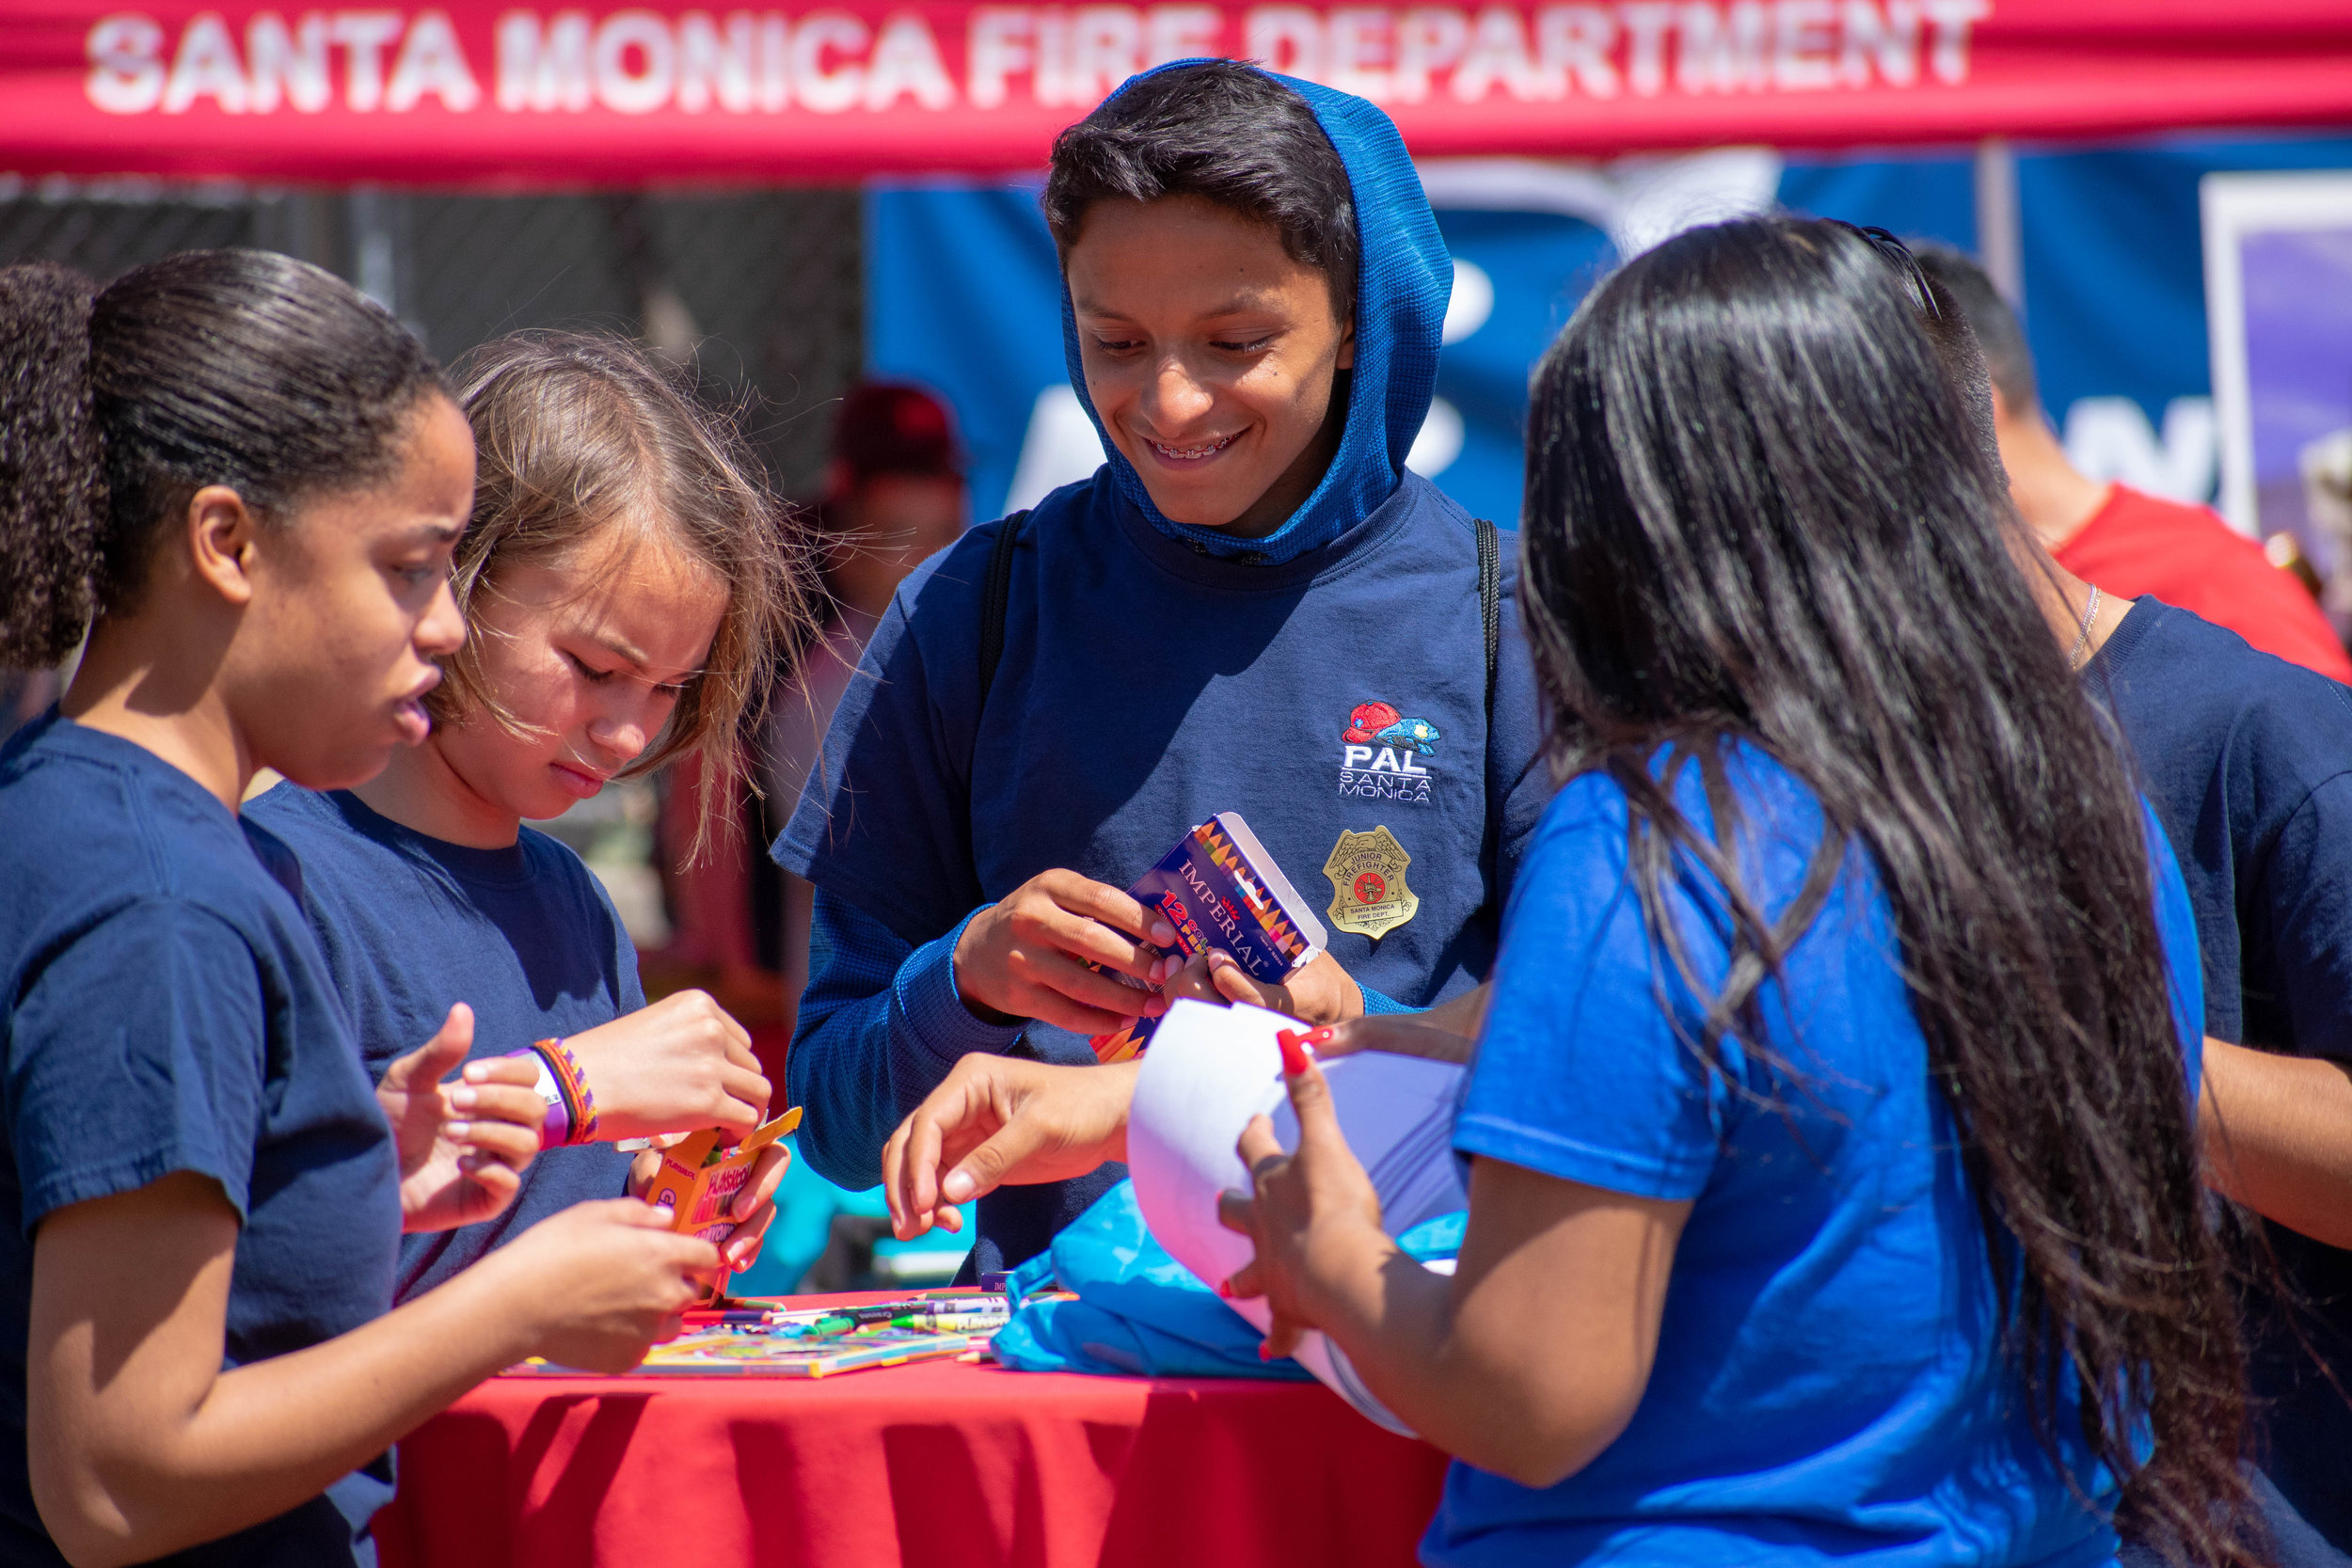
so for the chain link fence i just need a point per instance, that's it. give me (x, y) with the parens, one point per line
(760, 289)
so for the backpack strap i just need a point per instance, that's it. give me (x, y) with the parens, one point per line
(997, 589)
(1490, 602)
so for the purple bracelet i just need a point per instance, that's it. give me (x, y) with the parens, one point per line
(555, 1130)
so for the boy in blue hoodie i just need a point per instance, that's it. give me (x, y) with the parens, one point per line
(1251, 607)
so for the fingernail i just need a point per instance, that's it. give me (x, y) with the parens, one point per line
(1295, 1053)
(1225, 1289)
(476, 1071)
(456, 1131)
(1162, 933)
(957, 1186)
(1265, 1351)
(469, 1162)
(463, 1098)
(1322, 1036)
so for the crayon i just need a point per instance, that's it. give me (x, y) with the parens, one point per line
(953, 1323)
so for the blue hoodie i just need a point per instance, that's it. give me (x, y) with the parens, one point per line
(1151, 676)
(1402, 288)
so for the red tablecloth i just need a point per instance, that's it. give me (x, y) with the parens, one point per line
(945, 1465)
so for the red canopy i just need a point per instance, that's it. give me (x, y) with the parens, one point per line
(483, 93)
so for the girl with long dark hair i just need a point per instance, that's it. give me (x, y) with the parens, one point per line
(1834, 1188)
(243, 483)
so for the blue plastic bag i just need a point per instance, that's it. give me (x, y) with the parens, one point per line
(1436, 1239)
(1139, 1313)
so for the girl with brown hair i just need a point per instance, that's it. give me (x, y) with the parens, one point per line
(243, 482)
(629, 586)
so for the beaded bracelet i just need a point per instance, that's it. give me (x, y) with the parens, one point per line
(579, 1099)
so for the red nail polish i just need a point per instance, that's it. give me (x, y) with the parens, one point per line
(1324, 1036)
(1225, 1289)
(1293, 1052)
(1265, 1351)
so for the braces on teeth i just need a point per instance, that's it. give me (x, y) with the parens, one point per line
(1184, 452)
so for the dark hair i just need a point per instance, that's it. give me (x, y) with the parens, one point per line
(2006, 359)
(576, 433)
(211, 367)
(1226, 133)
(1755, 513)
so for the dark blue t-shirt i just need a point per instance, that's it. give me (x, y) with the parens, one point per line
(2248, 760)
(167, 1011)
(524, 935)
(1831, 1384)
(1143, 688)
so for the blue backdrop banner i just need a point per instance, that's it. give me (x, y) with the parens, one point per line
(962, 293)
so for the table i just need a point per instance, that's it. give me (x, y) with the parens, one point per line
(945, 1465)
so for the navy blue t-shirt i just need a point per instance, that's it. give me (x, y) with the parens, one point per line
(167, 1011)
(2248, 760)
(523, 935)
(1831, 1384)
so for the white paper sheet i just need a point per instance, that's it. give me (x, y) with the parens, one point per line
(1209, 1070)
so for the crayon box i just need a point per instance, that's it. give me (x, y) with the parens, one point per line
(1219, 888)
(698, 1176)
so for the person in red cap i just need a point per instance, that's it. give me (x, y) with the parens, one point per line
(894, 497)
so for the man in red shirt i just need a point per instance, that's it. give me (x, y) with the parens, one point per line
(2128, 542)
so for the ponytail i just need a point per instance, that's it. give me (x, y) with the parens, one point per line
(238, 367)
(52, 493)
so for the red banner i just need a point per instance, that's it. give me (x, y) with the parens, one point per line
(486, 94)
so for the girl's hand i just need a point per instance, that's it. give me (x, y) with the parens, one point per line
(678, 1066)
(463, 1146)
(753, 1205)
(1313, 1215)
(608, 1279)
(754, 1200)
(1397, 1033)
(1446, 1032)
(1025, 956)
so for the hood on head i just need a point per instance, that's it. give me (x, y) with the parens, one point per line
(1404, 278)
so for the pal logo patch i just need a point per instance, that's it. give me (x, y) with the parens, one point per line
(1382, 752)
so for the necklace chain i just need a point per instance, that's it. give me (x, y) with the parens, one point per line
(2082, 638)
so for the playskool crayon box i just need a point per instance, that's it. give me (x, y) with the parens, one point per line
(698, 1176)
(1221, 889)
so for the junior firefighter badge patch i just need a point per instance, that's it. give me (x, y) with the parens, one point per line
(1369, 894)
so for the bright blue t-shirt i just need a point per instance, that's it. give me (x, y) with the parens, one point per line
(524, 935)
(1829, 1383)
(165, 1011)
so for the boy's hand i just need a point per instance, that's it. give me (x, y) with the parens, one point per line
(1025, 956)
(1319, 992)
(1001, 1119)
(678, 1066)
